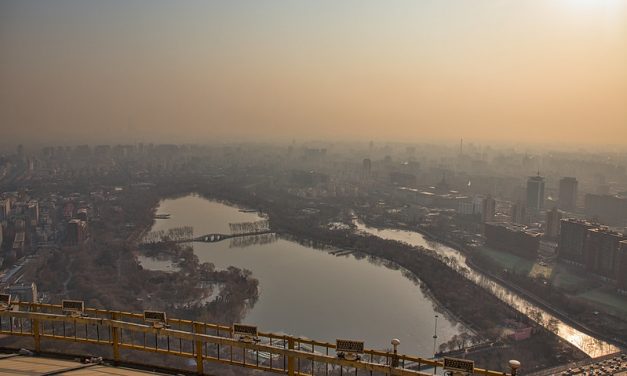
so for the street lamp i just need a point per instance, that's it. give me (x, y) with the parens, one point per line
(395, 343)
(514, 365)
(435, 333)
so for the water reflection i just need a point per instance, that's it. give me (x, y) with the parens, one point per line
(311, 292)
(247, 241)
(455, 259)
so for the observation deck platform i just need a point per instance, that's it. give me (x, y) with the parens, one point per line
(186, 346)
(15, 364)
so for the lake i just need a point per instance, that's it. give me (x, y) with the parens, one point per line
(310, 292)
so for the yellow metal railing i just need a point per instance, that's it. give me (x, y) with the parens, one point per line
(203, 342)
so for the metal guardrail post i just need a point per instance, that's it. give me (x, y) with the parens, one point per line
(36, 335)
(115, 339)
(198, 347)
(290, 359)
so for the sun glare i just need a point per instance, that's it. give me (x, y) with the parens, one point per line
(594, 3)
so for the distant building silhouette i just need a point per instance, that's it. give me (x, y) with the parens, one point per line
(573, 236)
(611, 210)
(519, 213)
(512, 238)
(568, 193)
(622, 265)
(595, 248)
(76, 232)
(603, 252)
(553, 219)
(402, 179)
(442, 185)
(366, 168)
(488, 210)
(535, 193)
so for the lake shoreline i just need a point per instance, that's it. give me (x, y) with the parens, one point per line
(425, 297)
(512, 286)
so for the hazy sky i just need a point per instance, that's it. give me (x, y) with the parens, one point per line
(414, 70)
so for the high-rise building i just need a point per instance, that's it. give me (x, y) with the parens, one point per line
(488, 209)
(18, 244)
(366, 168)
(442, 186)
(573, 238)
(553, 218)
(602, 252)
(33, 212)
(519, 213)
(76, 232)
(609, 209)
(5, 208)
(466, 208)
(535, 193)
(622, 265)
(596, 248)
(568, 193)
(483, 207)
(512, 238)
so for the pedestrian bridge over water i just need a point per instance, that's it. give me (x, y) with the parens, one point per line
(212, 238)
(186, 233)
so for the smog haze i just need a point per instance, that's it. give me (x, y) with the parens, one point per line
(195, 71)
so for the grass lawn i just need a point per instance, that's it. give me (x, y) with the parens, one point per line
(518, 264)
(570, 280)
(508, 260)
(607, 298)
(564, 277)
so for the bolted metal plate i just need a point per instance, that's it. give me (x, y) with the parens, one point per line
(73, 306)
(245, 330)
(154, 316)
(347, 345)
(464, 365)
(5, 299)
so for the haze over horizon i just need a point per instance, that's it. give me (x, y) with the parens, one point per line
(152, 70)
